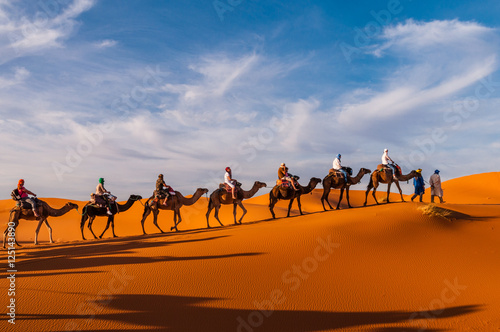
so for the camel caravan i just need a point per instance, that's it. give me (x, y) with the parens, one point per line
(230, 192)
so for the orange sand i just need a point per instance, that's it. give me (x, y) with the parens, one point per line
(376, 268)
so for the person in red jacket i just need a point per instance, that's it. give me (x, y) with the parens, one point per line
(23, 192)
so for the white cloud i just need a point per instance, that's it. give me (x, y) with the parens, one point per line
(436, 60)
(106, 43)
(51, 24)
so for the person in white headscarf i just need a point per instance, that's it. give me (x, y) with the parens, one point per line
(435, 183)
(385, 161)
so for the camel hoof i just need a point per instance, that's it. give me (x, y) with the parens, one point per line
(115, 236)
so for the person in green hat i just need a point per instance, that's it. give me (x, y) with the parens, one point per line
(100, 191)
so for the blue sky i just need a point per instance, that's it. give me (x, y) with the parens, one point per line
(126, 90)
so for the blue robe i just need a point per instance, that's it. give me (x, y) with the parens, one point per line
(418, 182)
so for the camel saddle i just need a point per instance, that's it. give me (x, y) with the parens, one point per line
(383, 168)
(227, 188)
(336, 173)
(283, 183)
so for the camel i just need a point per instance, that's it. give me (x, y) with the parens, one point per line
(221, 196)
(278, 193)
(44, 211)
(91, 211)
(174, 202)
(334, 182)
(381, 175)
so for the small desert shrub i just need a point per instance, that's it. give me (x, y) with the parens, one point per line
(432, 210)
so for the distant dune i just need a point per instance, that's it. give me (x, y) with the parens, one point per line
(388, 267)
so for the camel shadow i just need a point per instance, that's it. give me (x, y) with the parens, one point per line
(181, 313)
(104, 254)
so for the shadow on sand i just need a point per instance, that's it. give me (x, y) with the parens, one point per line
(178, 313)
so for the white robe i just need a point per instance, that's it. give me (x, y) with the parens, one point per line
(336, 164)
(435, 183)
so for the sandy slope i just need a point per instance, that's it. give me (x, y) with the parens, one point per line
(377, 268)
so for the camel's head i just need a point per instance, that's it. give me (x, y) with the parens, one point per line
(260, 184)
(203, 190)
(314, 182)
(413, 173)
(135, 197)
(72, 205)
(366, 171)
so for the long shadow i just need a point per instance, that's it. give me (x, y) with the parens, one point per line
(102, 247)
(178, 313)
(64, 264)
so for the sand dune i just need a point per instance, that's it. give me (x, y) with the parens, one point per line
(391, 267)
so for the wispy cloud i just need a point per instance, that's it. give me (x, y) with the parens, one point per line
(437, 60)
(49, 25)
(106, 43)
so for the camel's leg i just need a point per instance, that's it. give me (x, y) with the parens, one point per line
(234, 212)
(326, 193)
(91, 221)
(82, 224)
(40, 222)
(155, 219)
(217, 207)
(368, 188)
(347, 196)
(145, 214)
(177, 214)
(175, 221)
(210, 207)
(240, 204)
(401, 192)
(299, 204)
(49, 229)
(290, 206)
(106, 228)
(340, 197)
(113, 226)
(388, 191)
(272, 203)
(374, 193)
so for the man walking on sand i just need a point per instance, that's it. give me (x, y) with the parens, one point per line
(435, 183)
(418, 183)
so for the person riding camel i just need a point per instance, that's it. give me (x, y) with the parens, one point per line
(385, 161)
(228, 179)
(338, 167)
(100, 197)
(23, 193)
(283, 175)
(163, 189)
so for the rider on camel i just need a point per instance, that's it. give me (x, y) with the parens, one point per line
(283, 175)
(163, 189)
(99, 194)
(228, 179)
(23, 193)
(338, 167)
(385, 161)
